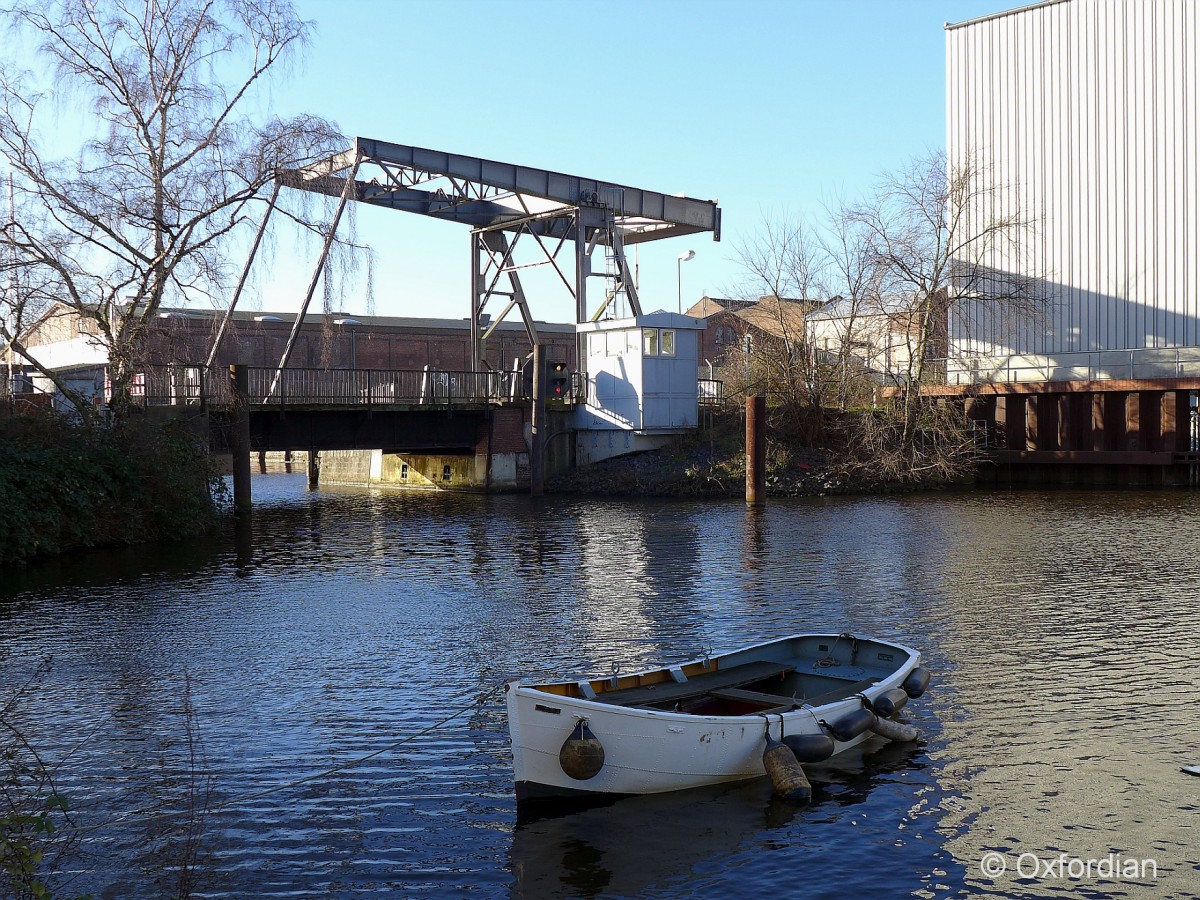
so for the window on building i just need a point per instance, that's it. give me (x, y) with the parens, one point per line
(650, 342)
(666, 340)
(404, 470)
(446, 472)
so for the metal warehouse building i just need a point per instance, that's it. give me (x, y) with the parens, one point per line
(1087, 109)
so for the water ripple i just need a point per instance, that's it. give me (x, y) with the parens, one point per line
(1060, 626)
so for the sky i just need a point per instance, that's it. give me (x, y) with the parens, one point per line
(771, 107)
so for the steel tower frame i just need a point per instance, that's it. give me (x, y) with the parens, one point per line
(565, 216)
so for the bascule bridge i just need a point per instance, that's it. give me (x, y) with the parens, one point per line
(635, 378)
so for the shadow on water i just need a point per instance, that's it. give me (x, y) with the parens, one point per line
(627, 846)
(104, 566)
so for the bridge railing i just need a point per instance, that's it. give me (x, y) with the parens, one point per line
(374, 387)
(192, 385)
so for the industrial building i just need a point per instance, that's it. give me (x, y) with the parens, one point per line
(1082, 113)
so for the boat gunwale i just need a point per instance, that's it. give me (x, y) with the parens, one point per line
(802, 710)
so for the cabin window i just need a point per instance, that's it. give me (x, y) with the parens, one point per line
(650, 342)
(667, 342)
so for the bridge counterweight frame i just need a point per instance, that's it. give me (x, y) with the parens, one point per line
(503, 203)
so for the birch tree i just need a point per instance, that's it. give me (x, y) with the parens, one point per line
(142, 201)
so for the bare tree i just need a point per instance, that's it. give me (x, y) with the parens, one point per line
(941, 237)
(854, 291)
(148, 208)
(783, 269)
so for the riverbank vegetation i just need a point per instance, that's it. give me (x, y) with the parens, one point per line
(65, 486)
(850, 339)
(851, 456)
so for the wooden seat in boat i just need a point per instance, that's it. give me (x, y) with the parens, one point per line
(671, 691)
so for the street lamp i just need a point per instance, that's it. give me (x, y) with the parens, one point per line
(680, 260)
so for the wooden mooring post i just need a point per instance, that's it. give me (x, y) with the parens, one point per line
(239, 438)
(756, 451)
(537, 442)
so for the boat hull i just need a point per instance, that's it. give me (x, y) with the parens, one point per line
(650, 750)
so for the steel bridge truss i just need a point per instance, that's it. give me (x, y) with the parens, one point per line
(563, 217)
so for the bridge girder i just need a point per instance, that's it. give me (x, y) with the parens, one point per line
(537, 204)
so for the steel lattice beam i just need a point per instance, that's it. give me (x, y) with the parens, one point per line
(490, 196)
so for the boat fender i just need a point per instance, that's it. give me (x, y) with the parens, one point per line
(894, 731)
(890, 702)
(916, 682)
(787, 777)
(810, 748)
(582, 754)
(851, 725)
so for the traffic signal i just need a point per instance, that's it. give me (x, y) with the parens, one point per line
(558, 381)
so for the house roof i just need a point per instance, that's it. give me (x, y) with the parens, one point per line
(780, 317)
(710, 306)
(847, 307)
(264, 317)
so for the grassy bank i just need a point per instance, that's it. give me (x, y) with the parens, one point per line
(64, 487)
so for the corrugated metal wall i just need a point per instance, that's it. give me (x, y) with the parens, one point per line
(1087, 109)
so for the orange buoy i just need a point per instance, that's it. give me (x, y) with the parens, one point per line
(582, 754)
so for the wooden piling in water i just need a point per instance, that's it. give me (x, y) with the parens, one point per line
(756, 451)
(537, 448)
(239, 438)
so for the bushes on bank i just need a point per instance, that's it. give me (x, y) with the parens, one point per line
(64, 487)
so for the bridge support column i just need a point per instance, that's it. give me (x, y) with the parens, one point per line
(314, 470)
(239, 438)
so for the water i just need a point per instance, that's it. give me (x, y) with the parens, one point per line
(1061, 628)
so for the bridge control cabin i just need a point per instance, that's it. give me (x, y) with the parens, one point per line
(641, 383)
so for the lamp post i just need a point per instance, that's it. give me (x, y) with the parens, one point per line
(680, 260)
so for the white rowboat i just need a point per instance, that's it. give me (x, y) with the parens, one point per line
(706, 721)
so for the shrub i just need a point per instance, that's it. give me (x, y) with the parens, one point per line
(63, 486)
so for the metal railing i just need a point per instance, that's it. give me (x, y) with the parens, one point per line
(710, 392)
(1083, 365)
(368, 387)
(192, 385)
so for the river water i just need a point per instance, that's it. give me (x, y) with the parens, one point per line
(1061, 628)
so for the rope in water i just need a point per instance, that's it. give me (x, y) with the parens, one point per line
(149, 814)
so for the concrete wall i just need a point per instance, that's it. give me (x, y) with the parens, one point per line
(509, 437)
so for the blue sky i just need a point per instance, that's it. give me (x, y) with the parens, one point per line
(770, 107)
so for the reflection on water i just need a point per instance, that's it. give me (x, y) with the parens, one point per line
(1060, 627)
(665, 842)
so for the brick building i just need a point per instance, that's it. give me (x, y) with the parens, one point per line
(68, 343)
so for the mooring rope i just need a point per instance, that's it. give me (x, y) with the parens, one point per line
(149, 814)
